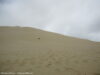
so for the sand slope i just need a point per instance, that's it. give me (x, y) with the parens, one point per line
(44, 53)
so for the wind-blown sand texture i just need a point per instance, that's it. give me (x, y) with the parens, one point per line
(44, 53)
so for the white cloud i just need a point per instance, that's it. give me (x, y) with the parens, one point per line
(79, 18)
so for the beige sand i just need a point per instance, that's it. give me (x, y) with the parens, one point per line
(43, 53)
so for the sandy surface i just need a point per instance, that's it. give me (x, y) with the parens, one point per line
(43, 53)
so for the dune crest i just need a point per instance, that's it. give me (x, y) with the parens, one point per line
(44, 53)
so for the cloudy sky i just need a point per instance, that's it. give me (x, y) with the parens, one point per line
(78, 18)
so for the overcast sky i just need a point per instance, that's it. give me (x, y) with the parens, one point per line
(78, 18)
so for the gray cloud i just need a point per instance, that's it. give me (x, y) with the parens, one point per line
(78, 18)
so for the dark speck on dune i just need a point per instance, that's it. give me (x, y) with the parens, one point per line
(38, 38)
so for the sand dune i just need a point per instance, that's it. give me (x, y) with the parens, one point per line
(43, 53)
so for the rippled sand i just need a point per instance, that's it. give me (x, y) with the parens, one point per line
(44, 53)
